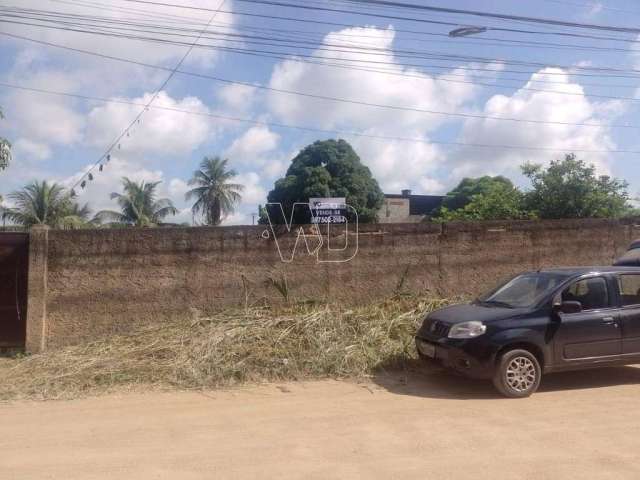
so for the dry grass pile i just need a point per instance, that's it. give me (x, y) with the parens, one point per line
(231, 347)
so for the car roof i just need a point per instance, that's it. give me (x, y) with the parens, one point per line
(578, 271)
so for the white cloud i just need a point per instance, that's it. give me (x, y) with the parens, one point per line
(160, 132)
(134, 49)
(253, 192)
(184, 215)
(398, 165)
(240, 218)
(250, 148)
(404, 87)
(43, 119)
(178, 188)
(53, 120)
(97, 192)
(594, 9)
(546, 106)
(27, 148)
(237, 98)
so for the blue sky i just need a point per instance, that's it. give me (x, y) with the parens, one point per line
(58, 137)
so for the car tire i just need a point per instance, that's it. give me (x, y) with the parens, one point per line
(518, 374)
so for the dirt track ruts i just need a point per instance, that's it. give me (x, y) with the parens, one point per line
(581, 425)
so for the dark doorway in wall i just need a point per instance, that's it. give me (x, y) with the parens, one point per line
(14, 253)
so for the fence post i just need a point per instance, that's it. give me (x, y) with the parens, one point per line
(37, 289)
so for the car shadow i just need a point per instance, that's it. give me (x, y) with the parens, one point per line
(417, 379)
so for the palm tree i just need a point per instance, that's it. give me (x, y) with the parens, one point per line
(138, 205)
(77, 216)
(43, 203)
(5, 149)
(215, 197)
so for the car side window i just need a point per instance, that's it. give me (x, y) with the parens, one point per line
(592, 293)
(629, 285)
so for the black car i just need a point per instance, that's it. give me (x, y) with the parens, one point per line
(539, 322)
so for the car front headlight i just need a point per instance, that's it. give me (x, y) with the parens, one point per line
(467, 330)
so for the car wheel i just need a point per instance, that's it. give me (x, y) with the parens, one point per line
(518, 374)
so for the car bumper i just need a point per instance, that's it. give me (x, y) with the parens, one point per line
(455, 356)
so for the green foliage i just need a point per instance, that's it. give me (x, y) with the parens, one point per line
(215, 196)
(329, 168)
(43, 203)
(499, 201)
(5, 149)
(470, 187)
(138, 206)
(569, 188)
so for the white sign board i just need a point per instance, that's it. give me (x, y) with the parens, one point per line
(328, 210)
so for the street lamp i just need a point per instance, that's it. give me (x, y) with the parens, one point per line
(466, 31)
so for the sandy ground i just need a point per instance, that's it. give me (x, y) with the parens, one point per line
(581, 425)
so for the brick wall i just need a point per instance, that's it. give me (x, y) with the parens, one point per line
(97, 282)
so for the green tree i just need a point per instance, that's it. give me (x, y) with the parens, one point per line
(500, 201)
(43, 203)
(329, 168)
(138, 206)
(569, 188)
(215, 196)
(470, 187)
(5, 149)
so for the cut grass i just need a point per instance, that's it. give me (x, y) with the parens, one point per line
(229, 348)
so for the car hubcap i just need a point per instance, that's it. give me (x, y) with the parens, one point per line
(521, 374)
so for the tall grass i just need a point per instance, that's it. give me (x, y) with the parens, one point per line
(229, 348)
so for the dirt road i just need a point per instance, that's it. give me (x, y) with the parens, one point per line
(429, 427)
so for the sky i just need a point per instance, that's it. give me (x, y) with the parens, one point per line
(246, 111)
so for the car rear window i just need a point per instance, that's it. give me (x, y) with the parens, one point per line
(629, 289)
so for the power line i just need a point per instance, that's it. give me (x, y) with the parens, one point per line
(325, 97)
(115, 143)
(442, 56)
(86, 21)
(475, 13)
(502, 42)
(261, 53)
(319, 130)
(389, 17)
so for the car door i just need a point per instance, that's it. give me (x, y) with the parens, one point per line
(629, 288)
(593, 332)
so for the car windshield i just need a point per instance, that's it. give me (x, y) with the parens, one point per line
(523, 291)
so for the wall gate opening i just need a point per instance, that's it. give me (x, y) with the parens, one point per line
(14, 256)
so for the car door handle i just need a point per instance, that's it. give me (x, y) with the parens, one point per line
(609, 321)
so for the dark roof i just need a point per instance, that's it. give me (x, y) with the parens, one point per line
(420, 204)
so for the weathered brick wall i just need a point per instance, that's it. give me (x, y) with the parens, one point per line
(104, 281)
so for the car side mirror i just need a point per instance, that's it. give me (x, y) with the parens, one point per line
(569, 307)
